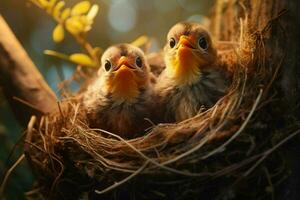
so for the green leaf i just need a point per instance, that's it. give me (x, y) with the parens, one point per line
(82, 59)
(58, 33)
(81, 8)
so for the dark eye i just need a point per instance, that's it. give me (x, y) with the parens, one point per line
(172, 42)
(202, 43)
(107, 65)
(139, 62)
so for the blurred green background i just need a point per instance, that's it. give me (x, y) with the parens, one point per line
(117, 21)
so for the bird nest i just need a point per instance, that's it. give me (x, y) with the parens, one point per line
(215, 154)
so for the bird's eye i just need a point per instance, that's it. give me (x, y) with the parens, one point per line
(139, 62)
(172, 42)
(107, 65)
(202, 43)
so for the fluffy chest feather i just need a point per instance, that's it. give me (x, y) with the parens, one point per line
(121, 116)
(125, 118)
(185, 101)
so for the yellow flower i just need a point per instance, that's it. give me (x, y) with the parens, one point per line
(65, 14)
(81, 18)
(75, 25)
(77, 20)
(81, 8)
(58, 33)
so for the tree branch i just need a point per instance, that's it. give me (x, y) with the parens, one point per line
(22, 84)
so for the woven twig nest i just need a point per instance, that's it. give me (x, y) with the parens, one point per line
(206, 155)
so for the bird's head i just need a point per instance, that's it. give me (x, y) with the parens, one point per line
(125, 71)
(189, 49)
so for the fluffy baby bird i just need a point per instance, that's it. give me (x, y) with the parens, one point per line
(192, 78)
(120, 98)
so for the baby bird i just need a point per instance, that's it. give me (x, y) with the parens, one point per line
(192, 78)
(120, 98)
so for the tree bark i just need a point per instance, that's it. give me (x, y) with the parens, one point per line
(23, 85)
(283, 19)
(225, 26)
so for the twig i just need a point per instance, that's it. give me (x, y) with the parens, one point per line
(22, 81)
(218, 20)
(270, 183)
(29, 134)
(197, 147)
(268, 152)
(7, 175)
(13, 150)
(151, 160)
(28, 104)
(60, 111)
(117, 184)
(88, 48)
(223, 146)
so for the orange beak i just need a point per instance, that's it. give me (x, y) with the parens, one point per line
(123, 85)
(124, 70)
(185, 42)
(123, 64)
(185, 50)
